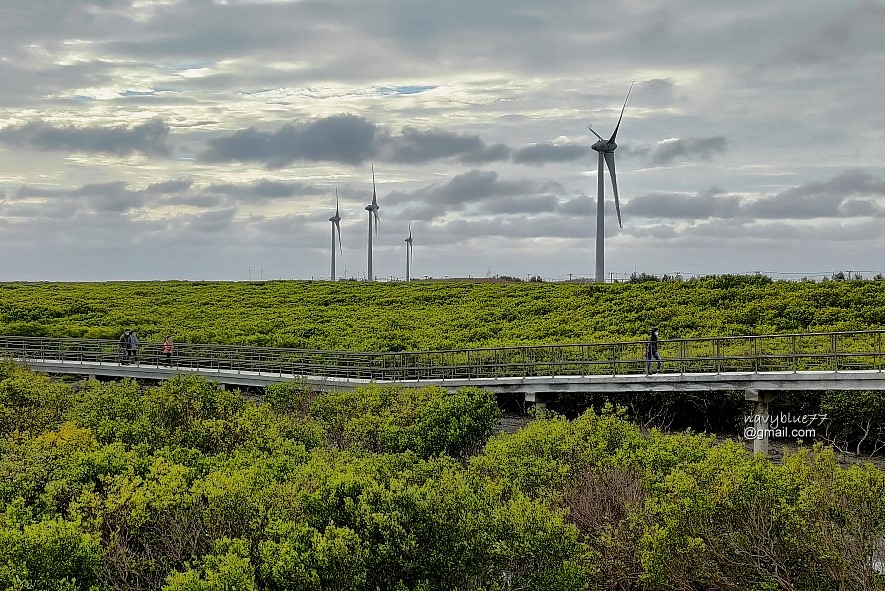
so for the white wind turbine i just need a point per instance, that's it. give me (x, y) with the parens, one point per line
(336, 230)
(372, 208)
(408, 242)
(606, 149)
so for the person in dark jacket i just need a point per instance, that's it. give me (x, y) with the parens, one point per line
(124, 347)
(132, 347)
(651, 351)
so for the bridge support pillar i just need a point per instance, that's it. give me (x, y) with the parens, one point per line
(761, 424)
(538, 402)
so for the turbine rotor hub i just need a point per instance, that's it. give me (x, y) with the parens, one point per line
(604, 146)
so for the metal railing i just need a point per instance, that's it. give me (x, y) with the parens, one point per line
(832, 351)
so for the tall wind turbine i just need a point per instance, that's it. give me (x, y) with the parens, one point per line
(408, 242)
(606, 149)
(336, 230)
(372, 208)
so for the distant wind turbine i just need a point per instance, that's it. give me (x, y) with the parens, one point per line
(372, 208)
(606, 149)
(408, 242)
(336, 230)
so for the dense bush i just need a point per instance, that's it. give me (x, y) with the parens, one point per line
(189, 487)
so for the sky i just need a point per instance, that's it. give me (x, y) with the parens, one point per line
(206, 139)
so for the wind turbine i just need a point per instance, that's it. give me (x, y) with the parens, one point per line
(408, 242)
(372, 208)
(606, 149)
(336, 230)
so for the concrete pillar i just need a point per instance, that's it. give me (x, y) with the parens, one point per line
(761, 423)
(539, 404)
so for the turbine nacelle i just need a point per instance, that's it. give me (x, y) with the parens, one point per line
(604, 146)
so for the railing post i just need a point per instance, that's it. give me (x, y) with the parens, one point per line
(683, 356)
(879, 351)
(756, 354)
(717, 355)
(835, 352)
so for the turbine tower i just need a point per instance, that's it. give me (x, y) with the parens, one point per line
(336, 230)
(606, 149)
(372, 208)
(408, 242)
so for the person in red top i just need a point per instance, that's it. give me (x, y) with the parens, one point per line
(168, 345)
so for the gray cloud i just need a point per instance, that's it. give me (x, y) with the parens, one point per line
(119, 197)
(110, 197)
(538, 154)
(822, 199)
(854, 32)
(148, 138)
(708, 204)
(853, 193)
(341, 138)
(113, 197)
(166, 187)
(481, 190)
(414, 146)
(263, 190)
(578, 206)
(512, 205)
(349, 139)
(668, 151)
(212, 221)
(657, 91)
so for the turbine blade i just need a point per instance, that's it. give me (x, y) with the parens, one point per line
(374, 196)
(622, 113)
(375, 211)
(338, 227)
(594, 132)
(336, 201)
(610, 162)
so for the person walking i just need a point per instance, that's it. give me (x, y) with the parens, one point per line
(124, 347)
(651, 351)
(132, 347)
(168, 345)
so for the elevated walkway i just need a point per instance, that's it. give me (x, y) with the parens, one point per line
(758, 365)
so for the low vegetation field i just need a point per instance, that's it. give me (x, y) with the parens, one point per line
(435, 315)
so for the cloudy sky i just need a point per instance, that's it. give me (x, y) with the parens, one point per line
(205, 139)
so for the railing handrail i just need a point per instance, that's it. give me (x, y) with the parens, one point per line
(643, 342)
(686, 354)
